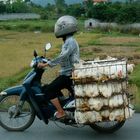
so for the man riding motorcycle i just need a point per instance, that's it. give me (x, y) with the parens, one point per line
(65, 28)
(19, 105)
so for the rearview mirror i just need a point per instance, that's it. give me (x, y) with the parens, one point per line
(35, 53)
(48, 46)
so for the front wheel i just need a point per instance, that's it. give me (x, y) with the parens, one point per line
(8, 108)
(107, 127)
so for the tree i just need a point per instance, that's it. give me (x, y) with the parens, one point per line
(27, 0)
(130, 1)
(2, 7)
(128, 14)
(76, 10)
(60, 6)
(60, 3)
(19, 7)
(99, 11)
(89, 8)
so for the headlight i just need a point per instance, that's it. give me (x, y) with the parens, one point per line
(32, 64)
(3, 93)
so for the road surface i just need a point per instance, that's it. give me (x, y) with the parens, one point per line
(40, 131)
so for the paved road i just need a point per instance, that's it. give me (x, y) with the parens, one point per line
(40, 131)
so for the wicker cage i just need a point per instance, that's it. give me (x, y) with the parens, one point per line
(101, 91)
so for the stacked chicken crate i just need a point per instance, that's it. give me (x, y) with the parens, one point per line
(101, 91)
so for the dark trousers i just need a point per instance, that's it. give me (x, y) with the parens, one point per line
(53, 90)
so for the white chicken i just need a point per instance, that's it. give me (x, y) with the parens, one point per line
(94, 116)
(125, 99)
(117, 71)
(88, 96)
(86, 117)
(116, 101)
(79, 90)
(80, 64)
(80, 117)
(130, 68)
(105, 113)
(121, 114)
(95, 103)
(117, 114)
(105, 90)
(91, 90)
(110, 58)
(97, 59)
(79, 103)
(82, 104)
(120, 100)
(105, 101)
(94, 72)
(76, 73)
(81, 73)
(117, 87)
(129, 112)
(110, 67)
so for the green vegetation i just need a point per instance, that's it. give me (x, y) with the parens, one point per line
(115, 12)
(107, 12)
(48, 26)
(111, 41)
(28, 25)
(135, 77)
(14, 79)
(33, 25)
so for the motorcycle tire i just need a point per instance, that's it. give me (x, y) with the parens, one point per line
(105, 129)
(7, 109)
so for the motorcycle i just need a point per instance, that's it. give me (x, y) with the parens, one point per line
(19, 105)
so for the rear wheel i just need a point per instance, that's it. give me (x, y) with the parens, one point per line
(107, 127)
(8, 119)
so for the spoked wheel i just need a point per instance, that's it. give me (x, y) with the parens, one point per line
(8, 108)
(107, 127)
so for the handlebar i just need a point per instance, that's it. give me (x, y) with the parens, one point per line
(38, 59)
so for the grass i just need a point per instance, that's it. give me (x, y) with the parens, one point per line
(135, 76)
(16, 49)
(117, 41)
(28, 25)
(33, 25)
(13, 79)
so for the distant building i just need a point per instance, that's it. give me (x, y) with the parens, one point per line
(15, 16)
(98, 1)
(11, 1)
(91, 23)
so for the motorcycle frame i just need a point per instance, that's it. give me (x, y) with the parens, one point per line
(26, 94)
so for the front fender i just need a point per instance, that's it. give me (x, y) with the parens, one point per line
(16, 90)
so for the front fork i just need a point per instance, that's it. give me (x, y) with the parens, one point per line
(20, 104)
(23, 97)
(18, 109)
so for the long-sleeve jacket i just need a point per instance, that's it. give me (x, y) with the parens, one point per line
(68, 56)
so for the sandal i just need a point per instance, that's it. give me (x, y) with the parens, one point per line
(60, 118)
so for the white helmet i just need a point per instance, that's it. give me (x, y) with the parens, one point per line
(65, 25)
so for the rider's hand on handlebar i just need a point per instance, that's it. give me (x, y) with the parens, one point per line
(42, 65)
